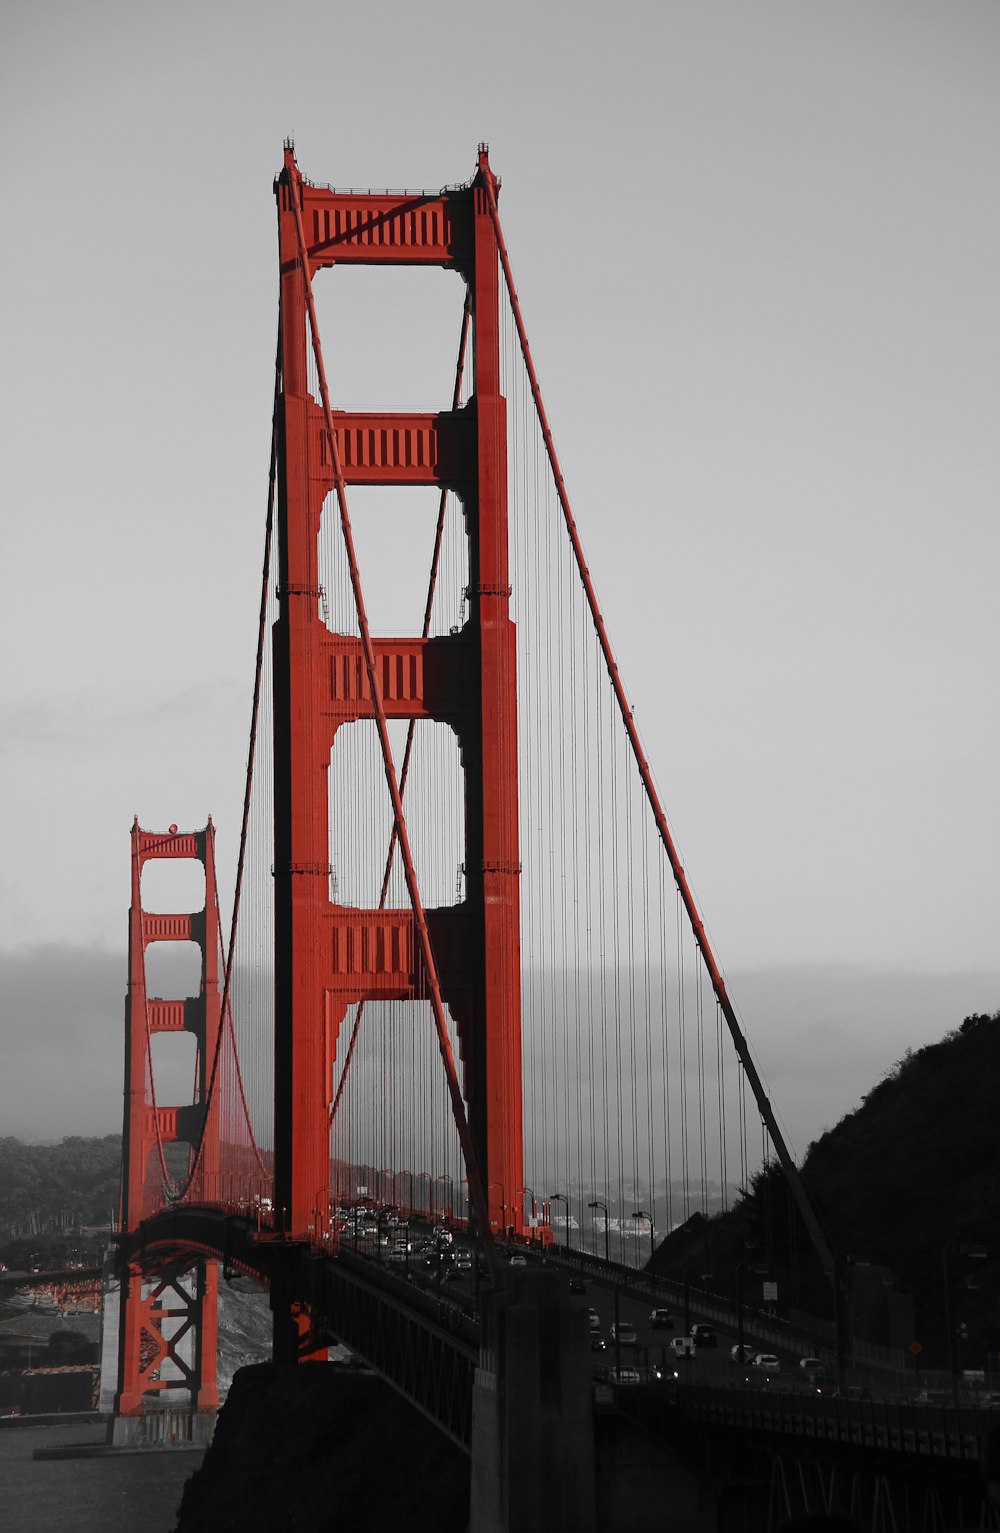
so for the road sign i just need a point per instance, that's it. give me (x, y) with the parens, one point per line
(916, 1347)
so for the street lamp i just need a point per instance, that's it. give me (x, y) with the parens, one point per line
(381, 1216)
(979, 1253)
(531, 1194)
(687, 1294)
(640, 1213)
(444, 1177)
(430, 1191)
(607, 1237)
(560, 1197)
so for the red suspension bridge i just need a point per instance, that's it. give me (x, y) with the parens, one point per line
(465, 974)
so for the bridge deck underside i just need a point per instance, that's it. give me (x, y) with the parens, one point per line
(426, 1349)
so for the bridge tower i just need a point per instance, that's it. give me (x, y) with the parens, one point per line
(329, 956)
(168, 1320)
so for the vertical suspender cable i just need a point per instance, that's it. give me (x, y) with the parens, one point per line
(816, 1234)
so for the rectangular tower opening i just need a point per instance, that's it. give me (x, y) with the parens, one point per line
(172, 885)
(173, 970)
(392, 334)
(394, 530)
(361, 815)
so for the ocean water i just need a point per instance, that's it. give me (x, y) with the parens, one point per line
(127, 1493)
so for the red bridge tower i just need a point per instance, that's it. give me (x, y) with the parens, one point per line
(167, 1328)
(330, 956)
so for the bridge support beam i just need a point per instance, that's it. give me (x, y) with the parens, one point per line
(532, 1414)
(168, 1321)
(330, 956)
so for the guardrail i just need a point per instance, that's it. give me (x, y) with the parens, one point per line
(890, 1426)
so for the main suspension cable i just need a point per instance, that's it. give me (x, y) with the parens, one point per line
(697, 926)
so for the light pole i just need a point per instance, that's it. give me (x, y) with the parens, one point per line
(607, 1236)
(640, 1213)
(742, 1268)
(687, 1295)
(560, 1197)
(425, 1175)
(979, 1252)
(380, 1216)
(531, 1194)
(444, 1177)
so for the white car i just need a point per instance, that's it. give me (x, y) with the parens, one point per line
(808, 1364)
(766, 1362)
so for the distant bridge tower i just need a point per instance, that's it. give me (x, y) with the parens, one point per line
(330, 956)
(168, 1320)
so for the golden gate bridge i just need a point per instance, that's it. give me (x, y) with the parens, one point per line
(465, 974)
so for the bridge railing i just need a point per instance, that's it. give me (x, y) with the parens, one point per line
(888, 1426)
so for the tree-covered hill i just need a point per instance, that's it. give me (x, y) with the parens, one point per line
(915, 1167)
(906, 1181)
(50, 1188)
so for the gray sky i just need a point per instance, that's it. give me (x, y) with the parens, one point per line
(757, 247)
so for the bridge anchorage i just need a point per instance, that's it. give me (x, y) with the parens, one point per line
(466, 980)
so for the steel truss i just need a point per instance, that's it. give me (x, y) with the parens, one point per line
(424, 1347)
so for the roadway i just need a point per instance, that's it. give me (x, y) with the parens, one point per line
(622, 1294)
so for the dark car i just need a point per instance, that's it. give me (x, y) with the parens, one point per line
(577, 1285)
(661, 1320)
(704, 1336)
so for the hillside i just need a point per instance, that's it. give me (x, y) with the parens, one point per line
(911, 1174)
(58, 1188)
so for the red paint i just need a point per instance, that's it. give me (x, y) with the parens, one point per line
(328, 956)
(142, 1345)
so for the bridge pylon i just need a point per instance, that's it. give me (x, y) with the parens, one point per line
(168, 1315)
(533, 1457)
(330, 956)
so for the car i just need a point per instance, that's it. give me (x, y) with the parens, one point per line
(704, 1336)
(766, 1362)
(740, 1354)
(624, 1334)
(517, 1261)
(809, 1364)
(595, 1320)
(463, 1261)
(682, 1346)
(597, 1342)
(661, 1320)
(577, 1285)
(624, 1376)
